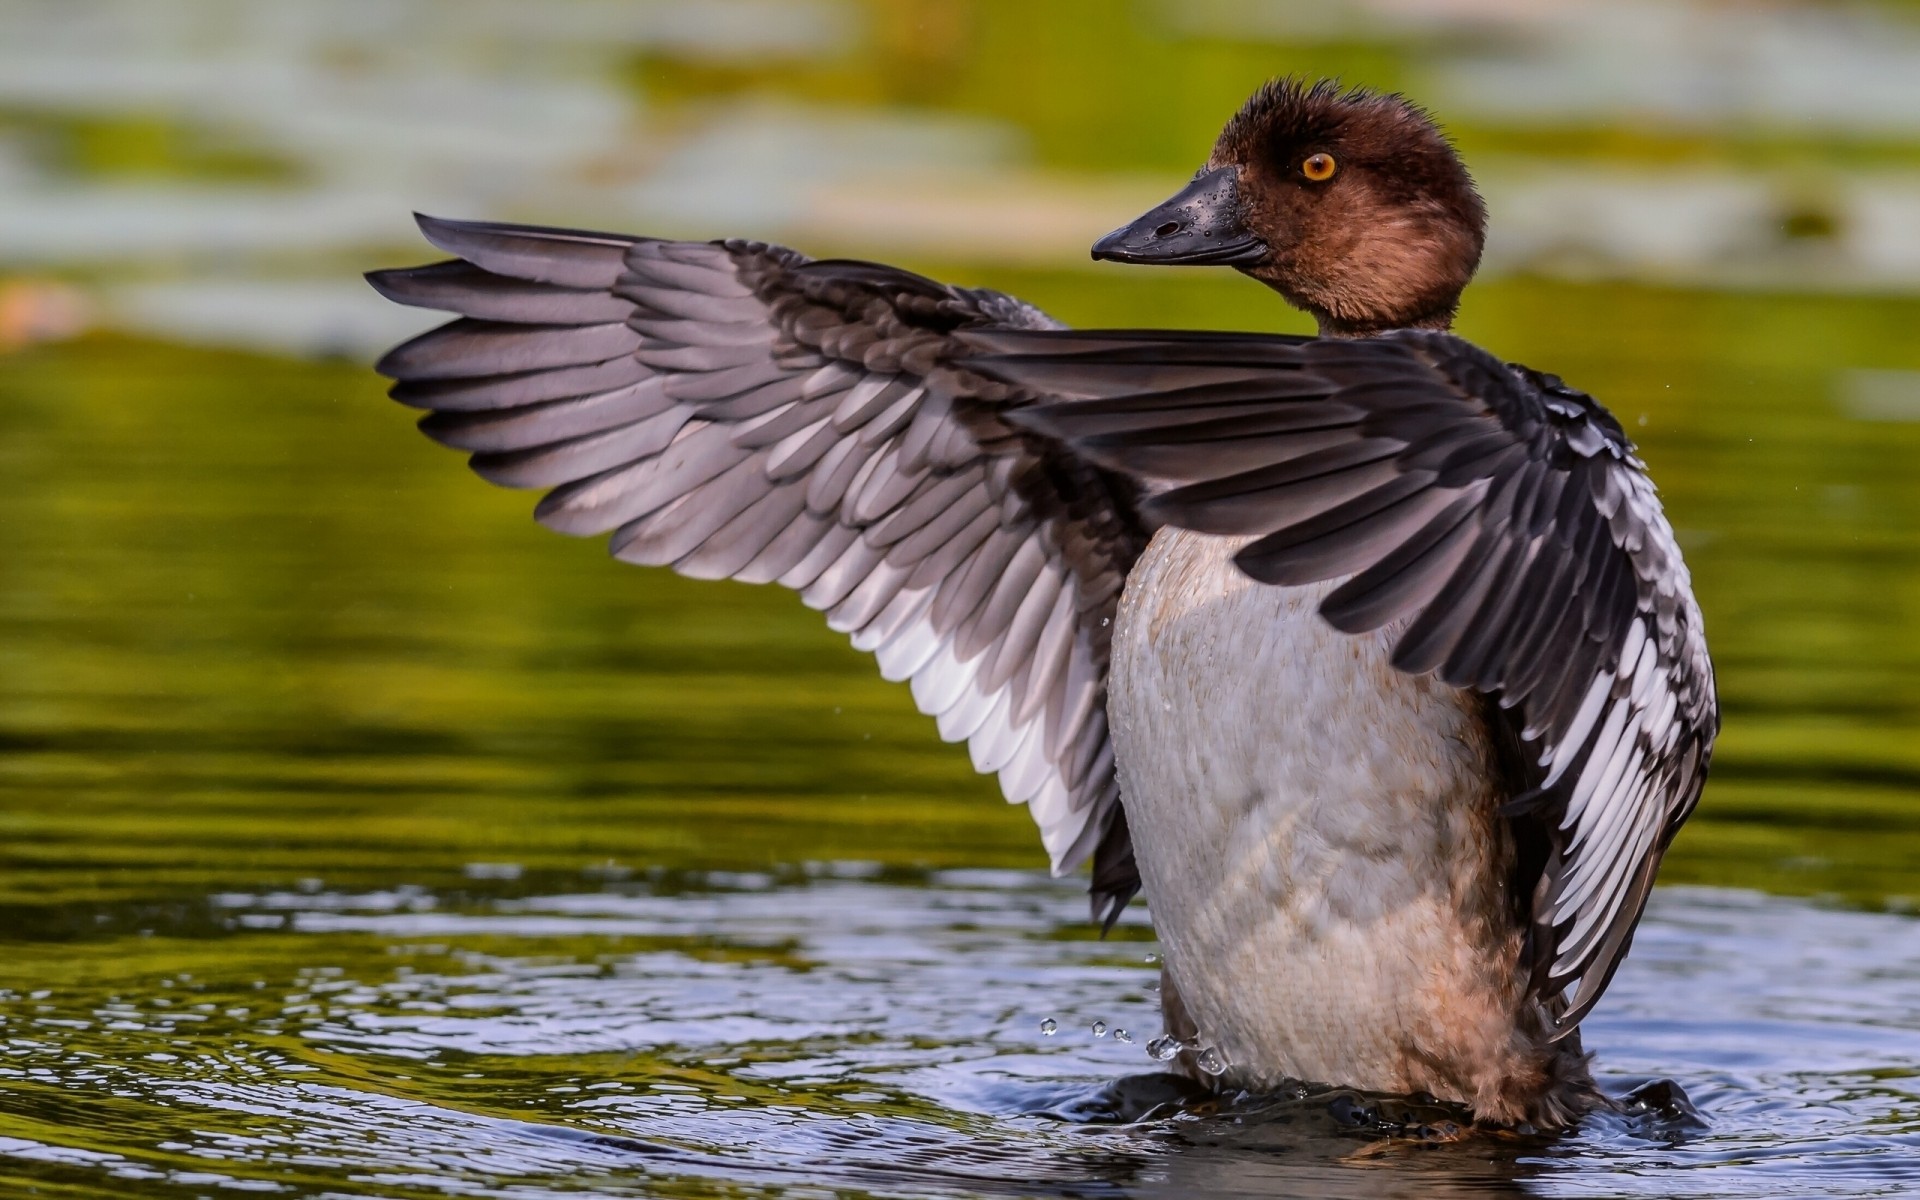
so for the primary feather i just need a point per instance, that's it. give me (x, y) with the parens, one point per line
(736, 410)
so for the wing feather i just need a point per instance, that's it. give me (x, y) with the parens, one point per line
(734, 410)
(1495, 518)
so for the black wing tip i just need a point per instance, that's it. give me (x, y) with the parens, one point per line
(402, 285)
(1599, 967)
(446, 232)
(1106, 906)
(390, 282)
(1255, 560)
(397, 283)
(1565, 1023)
(451, 234)
(394, 363)
(404, 364)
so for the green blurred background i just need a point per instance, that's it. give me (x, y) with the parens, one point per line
(254, 630)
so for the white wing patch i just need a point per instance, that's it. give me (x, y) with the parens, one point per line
(725, 436)
(1621, 763)
(1499, 513)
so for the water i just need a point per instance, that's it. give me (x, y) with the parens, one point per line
(358, 838)
(838, 1029)
(363, 839)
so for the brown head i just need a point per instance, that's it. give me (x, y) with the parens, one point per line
(1352, 205)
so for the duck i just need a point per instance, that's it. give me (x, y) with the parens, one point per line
(1370, 657)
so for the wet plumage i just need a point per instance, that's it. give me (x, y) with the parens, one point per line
(735, 410)
(1463, 557)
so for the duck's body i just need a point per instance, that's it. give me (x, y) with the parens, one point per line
(1385, 643)
(1320, 836)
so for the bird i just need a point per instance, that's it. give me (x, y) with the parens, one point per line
(1370, 657)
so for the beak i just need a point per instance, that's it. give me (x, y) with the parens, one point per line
(1200, 225)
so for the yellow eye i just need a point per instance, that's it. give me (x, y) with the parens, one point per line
(1319, 167)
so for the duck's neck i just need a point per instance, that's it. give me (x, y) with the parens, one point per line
(1333, 327)
(1359, 304)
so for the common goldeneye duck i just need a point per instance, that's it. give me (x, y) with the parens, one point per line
(1371, 657)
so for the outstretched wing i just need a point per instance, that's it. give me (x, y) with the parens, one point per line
(1500, 515)
(735, 410)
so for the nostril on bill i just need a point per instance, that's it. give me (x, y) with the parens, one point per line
(1167, 230)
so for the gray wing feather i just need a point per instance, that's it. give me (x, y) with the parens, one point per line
(733, 410)
(1500, 516)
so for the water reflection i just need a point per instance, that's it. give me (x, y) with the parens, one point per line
(360, 839)
(842, 1032)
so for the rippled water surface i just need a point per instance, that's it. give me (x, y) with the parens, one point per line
(358, 838)
(880, 1033)
(362, 839)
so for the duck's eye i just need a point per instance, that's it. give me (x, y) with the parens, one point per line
(1319, 167)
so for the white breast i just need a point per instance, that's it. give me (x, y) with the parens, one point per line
(1316, 833)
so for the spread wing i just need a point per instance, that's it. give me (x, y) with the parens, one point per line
(735, 410)
(1500, 515)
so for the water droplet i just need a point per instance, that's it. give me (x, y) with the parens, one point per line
(1152, 960)
(1211, 1061)
(1048, 1026)
(1099, 1029)
(1121, 1035)
(1164, 1048)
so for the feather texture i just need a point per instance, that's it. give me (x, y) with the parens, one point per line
(734, 410)
(962, 487)
(1500, 515)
